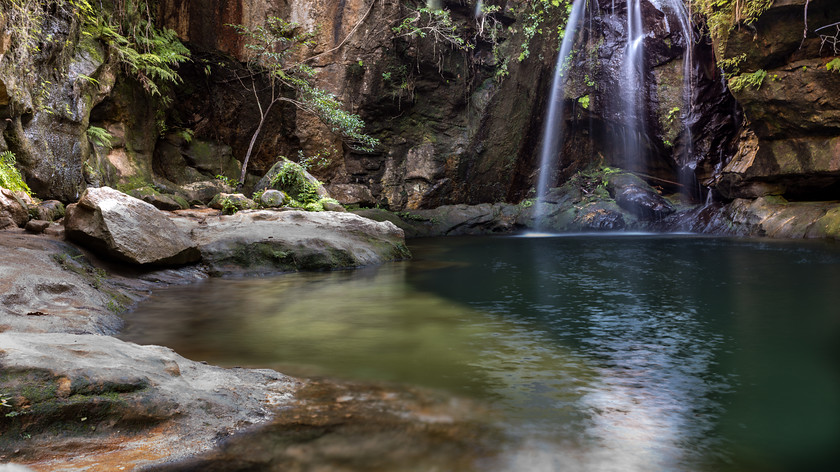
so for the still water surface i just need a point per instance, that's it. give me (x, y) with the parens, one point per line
(605, 353)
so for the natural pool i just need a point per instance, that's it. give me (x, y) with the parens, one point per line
(610, 352)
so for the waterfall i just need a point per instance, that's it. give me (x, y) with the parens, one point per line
(633, 90)
(479, 9)
(688, 115)
(553, 129)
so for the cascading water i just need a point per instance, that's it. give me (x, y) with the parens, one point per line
(688, 115)
(553, 129)
(632, 91)
(631, 108)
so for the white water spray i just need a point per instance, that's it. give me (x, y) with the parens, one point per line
(553, 129)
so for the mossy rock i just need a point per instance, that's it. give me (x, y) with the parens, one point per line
(294, 180)
(230, 203)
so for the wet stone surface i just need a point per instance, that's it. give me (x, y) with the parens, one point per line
(346, 426)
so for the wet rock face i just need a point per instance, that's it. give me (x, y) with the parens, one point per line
(792, 143)
(368, 426)
(45, 105)
(128, 229)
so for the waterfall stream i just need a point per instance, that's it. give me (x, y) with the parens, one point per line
(630, 101)
(688, 116)
(633, 89)
(553, 129)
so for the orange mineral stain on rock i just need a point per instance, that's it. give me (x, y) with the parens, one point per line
(109, 454)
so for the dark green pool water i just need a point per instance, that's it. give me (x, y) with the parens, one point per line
(598, 352)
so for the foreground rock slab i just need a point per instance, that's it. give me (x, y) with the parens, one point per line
(62, 393)
(129, 229)
(266, 241)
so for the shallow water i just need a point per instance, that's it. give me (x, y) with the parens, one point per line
(638, 352)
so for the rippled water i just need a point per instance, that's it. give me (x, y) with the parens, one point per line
(598, 352)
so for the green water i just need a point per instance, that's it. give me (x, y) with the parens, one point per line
(597, 353)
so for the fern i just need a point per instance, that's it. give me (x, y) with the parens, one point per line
(10, 177)
(100, 136)
(754, 80)
(147, 53)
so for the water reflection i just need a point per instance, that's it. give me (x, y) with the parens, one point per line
(645, 353)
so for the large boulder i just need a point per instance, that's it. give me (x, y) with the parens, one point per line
(266, 241)
(129, 229)
(49, 286)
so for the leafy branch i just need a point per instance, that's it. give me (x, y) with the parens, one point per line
(273, 71)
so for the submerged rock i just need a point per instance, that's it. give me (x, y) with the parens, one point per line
(113, 223)
(268, 241)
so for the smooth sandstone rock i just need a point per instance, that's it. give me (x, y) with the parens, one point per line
(268, 241)
(121, 226)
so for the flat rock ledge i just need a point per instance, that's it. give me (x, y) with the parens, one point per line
(255, 242)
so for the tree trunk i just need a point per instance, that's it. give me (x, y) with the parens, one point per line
(251, 145)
